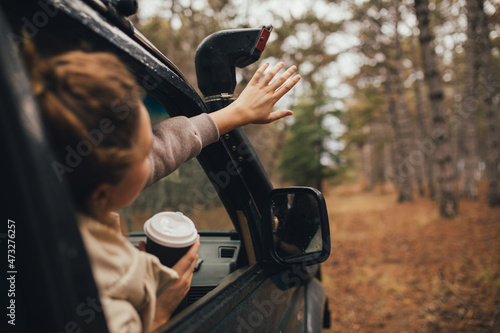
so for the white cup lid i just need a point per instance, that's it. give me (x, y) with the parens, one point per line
(172, 229)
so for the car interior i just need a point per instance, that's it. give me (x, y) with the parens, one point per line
(221, 252)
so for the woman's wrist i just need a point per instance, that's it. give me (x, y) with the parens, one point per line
(229, 118)
(163, 312)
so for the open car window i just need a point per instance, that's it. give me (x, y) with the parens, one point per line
(187, 190)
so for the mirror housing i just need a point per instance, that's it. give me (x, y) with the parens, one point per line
(219, 54)
(296, 227)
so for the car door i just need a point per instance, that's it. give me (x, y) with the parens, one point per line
(244, 290)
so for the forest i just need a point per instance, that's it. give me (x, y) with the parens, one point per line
(400, 92)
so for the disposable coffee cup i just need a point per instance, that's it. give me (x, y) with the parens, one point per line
(169, 236)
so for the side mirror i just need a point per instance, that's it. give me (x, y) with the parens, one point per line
(297, 227)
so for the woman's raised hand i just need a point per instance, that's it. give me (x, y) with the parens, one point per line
(262, 93)
(255, 103)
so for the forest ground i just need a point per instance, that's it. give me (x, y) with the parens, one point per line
(402, 268)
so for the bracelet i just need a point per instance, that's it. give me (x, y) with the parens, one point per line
(220, 97)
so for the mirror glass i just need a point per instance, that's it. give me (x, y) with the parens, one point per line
(296, 224)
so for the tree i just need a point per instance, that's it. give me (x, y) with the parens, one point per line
(403, 123)
(368, 131)
(421, 120)
(487, 76)
(182, 27)
(470, 105)
(383, 49)
(372, 116)
(306, 158)
(446, 172)
(303, 158)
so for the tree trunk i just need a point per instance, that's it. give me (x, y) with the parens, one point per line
(404, 126)
(457, 126)
(388, 159)
(423, 129)
(446, 171)
(470, 104)
(493, 147)
(402, 172)
(390, 96)
(367, 164)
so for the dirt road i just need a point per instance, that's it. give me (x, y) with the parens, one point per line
(401, 268)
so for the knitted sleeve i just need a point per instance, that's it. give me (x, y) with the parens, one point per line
(177, 140)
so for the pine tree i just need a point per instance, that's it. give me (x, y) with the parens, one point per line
(446, 172)
(487, 81)
(421, 121)
(470, 106)
(302, 161)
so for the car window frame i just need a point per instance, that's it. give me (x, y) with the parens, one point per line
(183, 99)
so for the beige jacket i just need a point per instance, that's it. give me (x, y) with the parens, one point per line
(129, 280)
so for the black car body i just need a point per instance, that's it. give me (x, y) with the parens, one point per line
(244, 283)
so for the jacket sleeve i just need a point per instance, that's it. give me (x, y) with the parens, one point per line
(128, 280)
(121, 316)
(177, 140)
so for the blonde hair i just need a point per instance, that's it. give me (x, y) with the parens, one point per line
(90, 107)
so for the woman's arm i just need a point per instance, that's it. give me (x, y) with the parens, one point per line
(178, 139)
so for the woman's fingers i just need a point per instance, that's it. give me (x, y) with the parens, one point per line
(275, 115)
(189, 259)
(282, 78)
(276, 84)
(272, 72)
(258, 74)
(282, 90)
(281, 85)
(279, 114)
